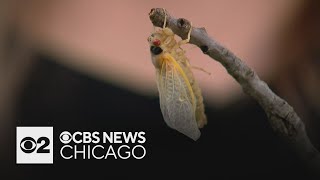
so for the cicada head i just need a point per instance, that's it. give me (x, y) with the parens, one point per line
(156, 49)
(155, 39)
(161, 37)
(160, 41)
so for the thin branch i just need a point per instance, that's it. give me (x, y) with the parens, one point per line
(283, 119)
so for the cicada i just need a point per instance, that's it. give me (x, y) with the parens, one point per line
(180, 97)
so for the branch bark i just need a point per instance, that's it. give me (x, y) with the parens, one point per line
(282, 118)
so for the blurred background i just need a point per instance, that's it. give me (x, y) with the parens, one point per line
(86, 65)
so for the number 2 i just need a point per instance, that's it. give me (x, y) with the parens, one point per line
(42, 147)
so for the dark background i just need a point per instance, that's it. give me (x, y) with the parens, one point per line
(237, 142)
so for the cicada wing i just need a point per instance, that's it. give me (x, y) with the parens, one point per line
(176, 100)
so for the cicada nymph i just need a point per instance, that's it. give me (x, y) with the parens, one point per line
(181, 101)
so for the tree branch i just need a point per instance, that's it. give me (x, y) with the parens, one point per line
(283, 119)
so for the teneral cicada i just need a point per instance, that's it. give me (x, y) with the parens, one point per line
(181, 101)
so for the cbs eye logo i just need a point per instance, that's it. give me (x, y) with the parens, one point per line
(65, 137)
(34, 145)
(29, 145)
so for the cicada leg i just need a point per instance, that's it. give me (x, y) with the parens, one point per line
(165, 18)
(185, 41)
(200, 69)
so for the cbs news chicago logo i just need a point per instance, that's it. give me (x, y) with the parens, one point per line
(102, 145)
(34, 145)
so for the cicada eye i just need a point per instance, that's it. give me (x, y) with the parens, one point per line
(156, 42)
(155, 50)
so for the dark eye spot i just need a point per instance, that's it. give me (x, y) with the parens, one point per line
(204, 49)
(181, 22)
(155, 50)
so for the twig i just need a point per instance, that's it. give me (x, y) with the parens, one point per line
(283, 119)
